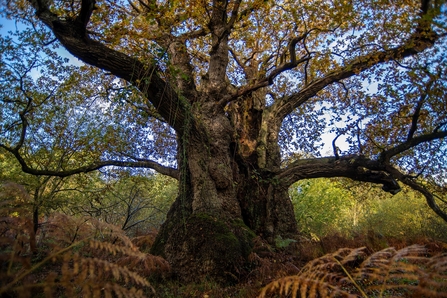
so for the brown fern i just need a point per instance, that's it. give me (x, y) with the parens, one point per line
(269, 264)
(146, 264)
(145, 242)
(350, 273)
(75, 256)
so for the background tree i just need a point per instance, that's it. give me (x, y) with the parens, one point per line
(337, 206)
(241, 84)
(42, 191)
(135, 202)
(319, 206)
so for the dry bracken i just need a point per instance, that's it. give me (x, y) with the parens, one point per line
(72, 257)
(349, 272)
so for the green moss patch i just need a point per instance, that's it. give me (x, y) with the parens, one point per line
(209, 247)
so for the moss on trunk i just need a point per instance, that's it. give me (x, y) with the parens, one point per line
(208, 247)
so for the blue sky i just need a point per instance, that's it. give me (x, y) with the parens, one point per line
(6, 25)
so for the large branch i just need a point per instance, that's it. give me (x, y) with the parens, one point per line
(358, 168)
(422, 39)
(147, 164)
(72, 34)
(137, 163)
(419, 104)
(219, 59)
(267, 80)
(181, 60)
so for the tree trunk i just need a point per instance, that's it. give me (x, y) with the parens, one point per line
(225, 200)
(266, 208)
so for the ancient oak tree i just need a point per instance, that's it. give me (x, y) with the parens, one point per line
(247, 89)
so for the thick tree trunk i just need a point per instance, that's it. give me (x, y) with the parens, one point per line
(225, 200)
(266, 208)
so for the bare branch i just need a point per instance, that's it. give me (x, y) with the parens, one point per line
(359, 141)
(417, 111)
(134, 6)
(268, 80)
(143, 163)
(424, 191)
(415, 117)
(22, 133)
(193, 34)
(260, 84)
(87, 7)
(440, 126)
(145, 5)
(234, 14)
(22, 114)
(385, 156)
(335, 148)
(238, 61)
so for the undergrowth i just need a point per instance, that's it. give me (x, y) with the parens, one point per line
(85, 257)
(349, 272)
(68, 256)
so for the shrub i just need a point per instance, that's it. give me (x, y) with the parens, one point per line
(70, 256)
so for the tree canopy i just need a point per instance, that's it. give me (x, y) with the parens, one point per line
(232, 98)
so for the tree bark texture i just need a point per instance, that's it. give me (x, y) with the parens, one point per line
(225, 200)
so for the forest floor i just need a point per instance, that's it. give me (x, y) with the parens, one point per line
(85, 257)
(274, 265)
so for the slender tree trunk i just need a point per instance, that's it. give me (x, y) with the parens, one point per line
(36, 210)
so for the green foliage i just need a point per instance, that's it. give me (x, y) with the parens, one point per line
(319, 205)
(137, 203)
(325, 206)
(404, 215)
(283, 243)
